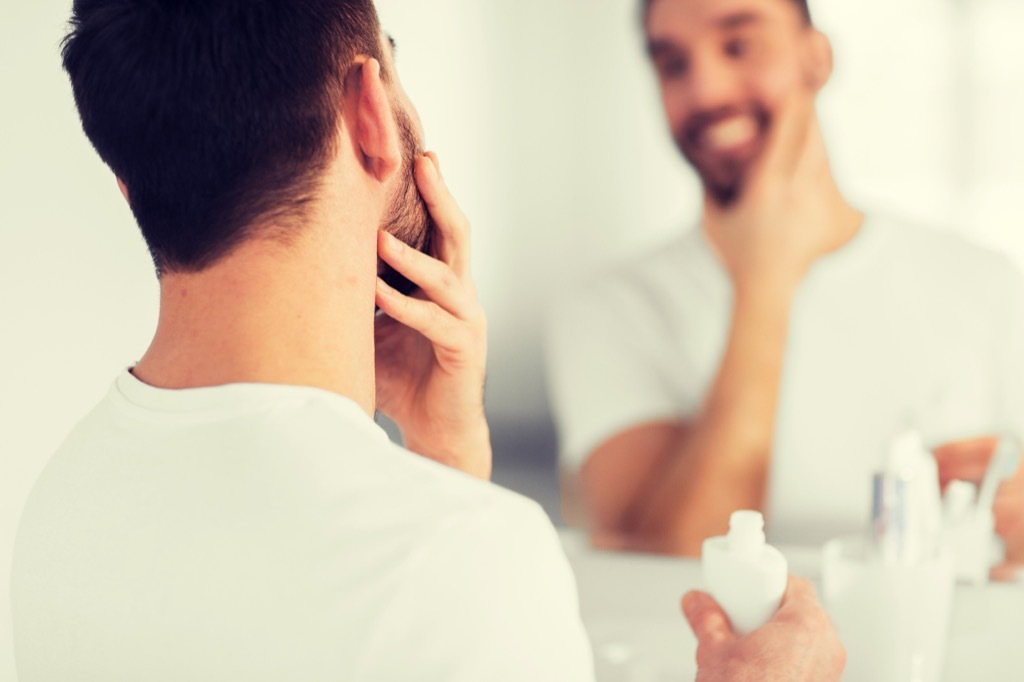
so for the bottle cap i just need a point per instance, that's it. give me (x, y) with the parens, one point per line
(959, 500)
(746, 531)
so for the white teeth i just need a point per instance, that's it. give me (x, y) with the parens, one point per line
(730, 133)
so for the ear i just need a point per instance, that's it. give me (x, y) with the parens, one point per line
(124, 190)
(376, 133)
(819, 61)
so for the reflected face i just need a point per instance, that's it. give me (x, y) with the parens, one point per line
(407, 216)
(723, 67)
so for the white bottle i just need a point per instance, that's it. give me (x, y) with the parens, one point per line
(968, 530)
(745, 575)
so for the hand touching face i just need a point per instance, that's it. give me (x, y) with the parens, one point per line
(406, 216)
(431, 347)
(724, 67)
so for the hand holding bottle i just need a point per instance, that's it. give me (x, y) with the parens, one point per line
(786, 216)
(745, 575)
(799, 643)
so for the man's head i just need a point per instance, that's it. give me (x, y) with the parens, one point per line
(801, 6)
(220, 117)
(724, 68)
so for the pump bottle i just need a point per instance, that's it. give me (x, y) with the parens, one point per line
(745, 575)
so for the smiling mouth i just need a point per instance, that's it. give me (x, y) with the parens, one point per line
(730, 135)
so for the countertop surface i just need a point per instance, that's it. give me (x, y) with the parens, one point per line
(630, 604)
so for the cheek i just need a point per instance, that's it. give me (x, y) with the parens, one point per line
(676, 112)
(771, 84)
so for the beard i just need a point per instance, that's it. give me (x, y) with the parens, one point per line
(407, 216)
(723, 175)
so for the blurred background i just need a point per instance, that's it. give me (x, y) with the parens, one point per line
(549, 131)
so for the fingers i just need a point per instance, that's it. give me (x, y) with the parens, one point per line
(1008, 513)
(452, 243)
(1007, 572)
(800, 595)
(812, 628)
(800, 606)
(451, 319)
(433, 157)
(964, 460)
(436, 279)
(969, 448)
(444, 331)
(707, 619)
(787, 139)
(799, 643)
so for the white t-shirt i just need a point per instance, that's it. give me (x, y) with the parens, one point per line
(903, 327)
(263, 532)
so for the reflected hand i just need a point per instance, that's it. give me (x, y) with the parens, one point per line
(431, 347)
(799, 643)
(780, 224)
(967, 460)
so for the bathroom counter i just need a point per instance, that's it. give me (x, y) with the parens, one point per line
(630, 604)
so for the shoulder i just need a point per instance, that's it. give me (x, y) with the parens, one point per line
(940, 273)
(945, 253)
(496, 569)
(356, 464)
(456, 500)
(487, 525)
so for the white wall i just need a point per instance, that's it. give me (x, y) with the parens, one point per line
(547, 125)
(77, 299)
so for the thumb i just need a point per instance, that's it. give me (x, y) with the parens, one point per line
(707, 619)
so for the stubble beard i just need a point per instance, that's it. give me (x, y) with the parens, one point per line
(723, 179)
(407, 216)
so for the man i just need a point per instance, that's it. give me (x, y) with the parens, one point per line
(766, 359)
(230, 511)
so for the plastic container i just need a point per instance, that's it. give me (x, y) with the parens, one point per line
(968, 532)
(745, 575)
(893, 619)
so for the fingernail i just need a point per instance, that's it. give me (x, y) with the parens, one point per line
(431, 168)
(689, 602)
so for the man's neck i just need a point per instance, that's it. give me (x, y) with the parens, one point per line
(843, 219)
(269, 313)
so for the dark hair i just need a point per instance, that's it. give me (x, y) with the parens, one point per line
(801, 5)
(218, 115)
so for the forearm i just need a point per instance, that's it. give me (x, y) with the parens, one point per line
(721, 462)
(466, 447)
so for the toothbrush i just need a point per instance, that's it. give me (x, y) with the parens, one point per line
(1003, 465)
